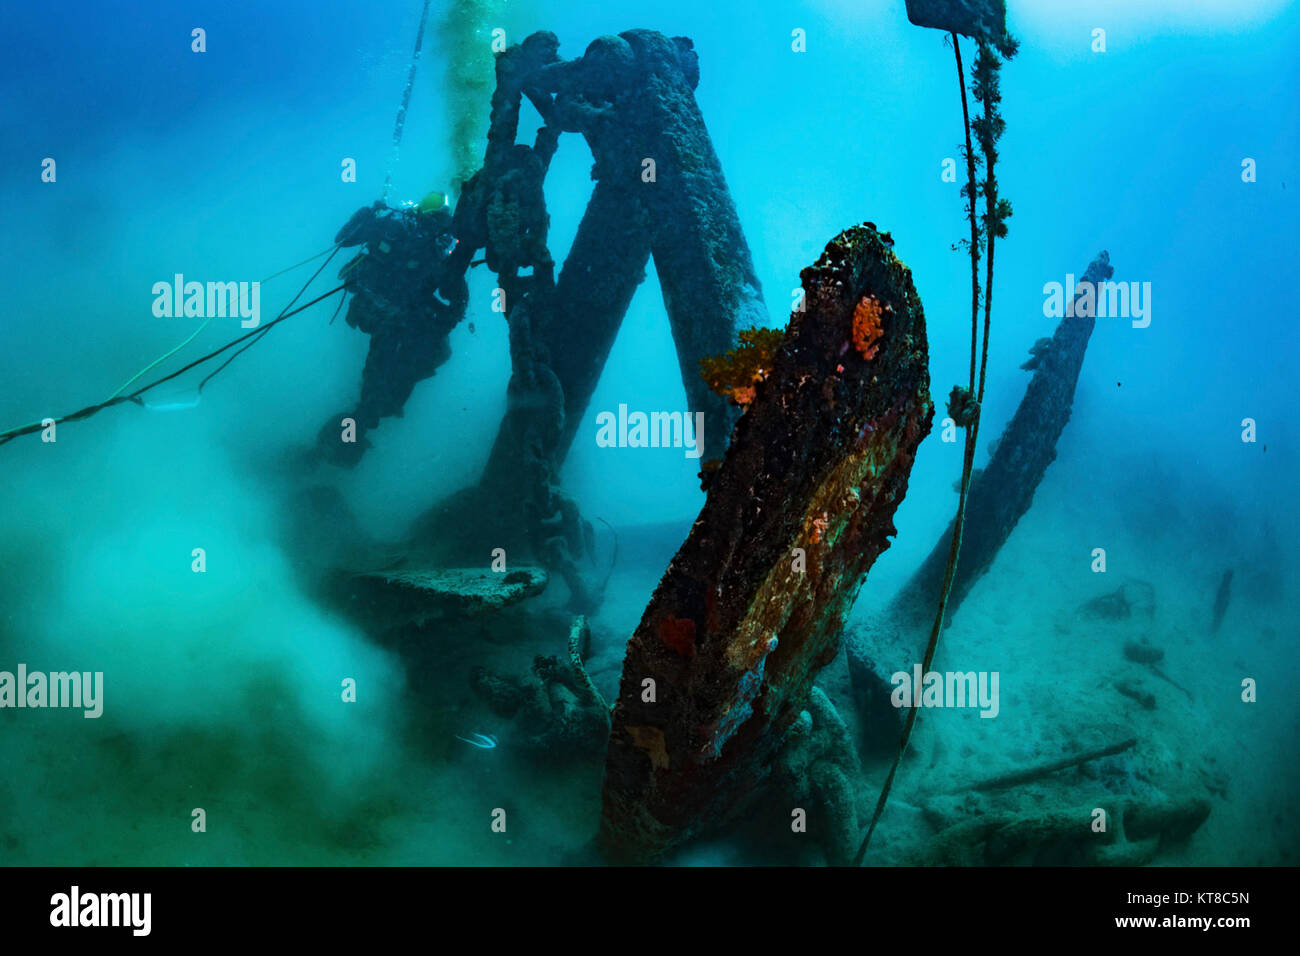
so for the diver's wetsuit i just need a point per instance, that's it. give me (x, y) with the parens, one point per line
(397, 300)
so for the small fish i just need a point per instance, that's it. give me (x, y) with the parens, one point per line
(481, 741)
(1221, 600)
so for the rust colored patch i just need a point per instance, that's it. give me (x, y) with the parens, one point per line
(678, 634)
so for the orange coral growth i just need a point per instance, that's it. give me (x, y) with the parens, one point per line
(866, 327)
(736, 374)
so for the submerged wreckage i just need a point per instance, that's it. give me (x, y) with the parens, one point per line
(716, 703)
(806, 436)
(753, 604)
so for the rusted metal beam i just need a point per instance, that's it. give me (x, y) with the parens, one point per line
(752, 606)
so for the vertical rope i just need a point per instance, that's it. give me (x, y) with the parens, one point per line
(968, 460)
(991, 224)
(974, 227)
(406, 101)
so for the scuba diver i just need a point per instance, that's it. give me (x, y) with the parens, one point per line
(407, 298)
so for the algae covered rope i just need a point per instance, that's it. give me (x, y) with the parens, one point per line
(988, 129)
(974, 224)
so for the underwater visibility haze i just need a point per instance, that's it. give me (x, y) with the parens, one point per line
(532, 432)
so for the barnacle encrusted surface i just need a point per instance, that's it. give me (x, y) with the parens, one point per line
(798, 511)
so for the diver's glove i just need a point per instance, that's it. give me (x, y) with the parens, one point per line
(359, 228)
